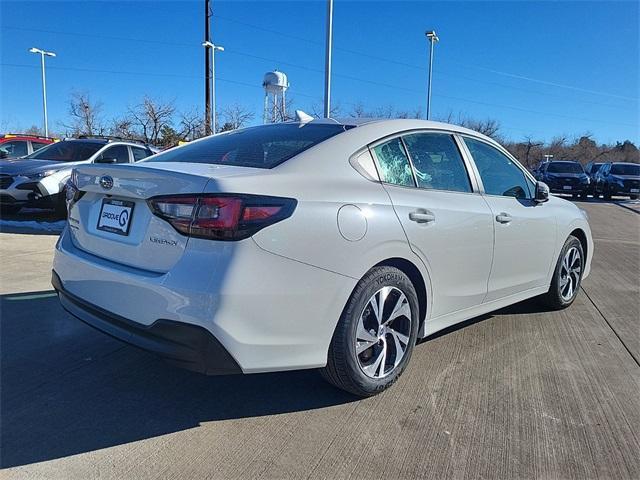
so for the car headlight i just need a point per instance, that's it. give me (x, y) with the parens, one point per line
(39, 175)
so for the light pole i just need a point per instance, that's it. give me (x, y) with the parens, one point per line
(213, 48)
(433, 38)
(327, 60)
(547, 157)
(44, 85)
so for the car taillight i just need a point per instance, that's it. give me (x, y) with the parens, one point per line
(221, 216)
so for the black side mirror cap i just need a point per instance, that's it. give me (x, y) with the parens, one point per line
(542, 192)
(106, 160)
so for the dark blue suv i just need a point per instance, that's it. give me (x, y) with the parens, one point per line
(564, 177)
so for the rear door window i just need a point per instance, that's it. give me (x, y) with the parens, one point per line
(139, 153)
(15, 148)
(119, 152)
(437, 162)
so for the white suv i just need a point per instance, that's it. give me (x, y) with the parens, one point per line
(313, 245)
(39, 179)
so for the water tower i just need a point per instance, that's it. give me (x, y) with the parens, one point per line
(275, 107)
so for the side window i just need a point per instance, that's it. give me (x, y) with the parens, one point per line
(37, 145)
(119, 152)
(16, 148)
(499, 174)
(139, 153)
(393, 163)
(437, 162)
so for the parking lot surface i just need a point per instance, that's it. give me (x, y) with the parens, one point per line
(520, 393)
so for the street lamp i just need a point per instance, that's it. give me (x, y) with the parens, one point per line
(44, 85)
(547, 157)
(433, 38)
(213, 49)
(327, 60)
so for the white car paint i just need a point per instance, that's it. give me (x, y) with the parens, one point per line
(273, 300)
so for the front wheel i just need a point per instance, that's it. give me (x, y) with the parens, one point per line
(566, 276)
(375, 336)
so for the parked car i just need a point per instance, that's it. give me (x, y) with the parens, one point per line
(565, 177)
(619, 179)
(13, 145)
(39, 179)
(318, 244)
(591, 169)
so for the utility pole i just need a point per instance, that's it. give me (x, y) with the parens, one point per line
(327, 60)
(44, 85)
(213, 48)
(433, 38)
(207, 68)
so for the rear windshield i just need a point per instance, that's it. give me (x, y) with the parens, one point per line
(625, 169)
(262, 147)
(565, 167)
(67, 151)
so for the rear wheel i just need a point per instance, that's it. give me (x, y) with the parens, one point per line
(375, 335)
(634, 197)
(567, 276)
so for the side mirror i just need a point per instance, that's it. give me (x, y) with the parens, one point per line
(105, 160)
(542, 192)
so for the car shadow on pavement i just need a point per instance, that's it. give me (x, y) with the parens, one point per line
(66, 389)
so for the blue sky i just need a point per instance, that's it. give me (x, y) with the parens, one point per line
(540, 68)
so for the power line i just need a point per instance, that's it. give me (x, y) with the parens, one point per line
(388, 60)
(466, 100)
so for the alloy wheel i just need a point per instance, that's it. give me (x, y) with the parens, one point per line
(570, 273)
(383, 333)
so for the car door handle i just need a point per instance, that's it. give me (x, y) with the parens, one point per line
(503, 217)
(422, 216)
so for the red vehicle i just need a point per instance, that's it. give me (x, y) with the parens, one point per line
(18, 145)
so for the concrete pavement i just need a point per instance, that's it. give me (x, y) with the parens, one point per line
(521, 393)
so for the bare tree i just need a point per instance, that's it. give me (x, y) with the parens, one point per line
(85, 116)
(235, 116)
(150, 117)
(123, 127)
(192, 124)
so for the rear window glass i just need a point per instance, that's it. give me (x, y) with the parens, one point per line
(262, 147)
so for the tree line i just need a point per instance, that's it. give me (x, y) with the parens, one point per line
(160, 123)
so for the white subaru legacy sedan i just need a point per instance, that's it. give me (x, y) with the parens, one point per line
(319, 244)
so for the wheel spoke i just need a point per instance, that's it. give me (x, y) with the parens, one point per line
(398, 338)
(401, 309)
(372, 368)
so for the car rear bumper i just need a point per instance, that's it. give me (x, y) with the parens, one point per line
(187, 346)
(268, 312)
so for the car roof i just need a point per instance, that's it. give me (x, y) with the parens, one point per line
(399, 124)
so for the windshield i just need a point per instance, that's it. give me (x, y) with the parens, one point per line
(625, 169)
(67, 151)
(261, 147)
(564, 167)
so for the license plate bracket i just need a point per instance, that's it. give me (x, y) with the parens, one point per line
(115, 216)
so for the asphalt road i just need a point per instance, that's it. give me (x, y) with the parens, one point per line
(521, 393)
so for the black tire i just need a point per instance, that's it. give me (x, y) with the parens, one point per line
(634, 197)
(343, 365)
(9, 209)
(554, 298)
